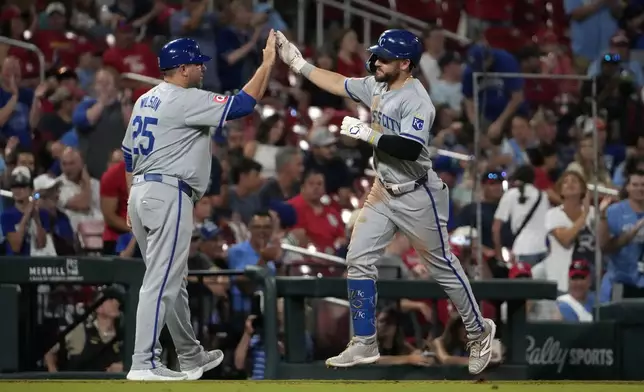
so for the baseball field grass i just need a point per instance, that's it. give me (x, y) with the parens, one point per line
(316, 386)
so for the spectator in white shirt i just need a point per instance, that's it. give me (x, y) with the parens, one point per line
(434, 41)
(79, 193)
(448, 88)
(570, 229)
(514, 207)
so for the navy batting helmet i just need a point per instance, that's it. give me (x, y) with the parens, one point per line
(179, 52)
(395, 45)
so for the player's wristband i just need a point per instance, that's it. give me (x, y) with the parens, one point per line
(306, 69)
(374, 137)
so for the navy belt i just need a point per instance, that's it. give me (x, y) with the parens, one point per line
(169, 180)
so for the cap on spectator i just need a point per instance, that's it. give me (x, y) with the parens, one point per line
(21, 177)
(579, 269)
(286, 213)
(209, 231)
(493, 177)
(620, 39)
(444, 164)
(44, 182)
(111, 292)
(520, 270)
(11, 12)
(476, 56)
(322, 137)
(55, 7)
(449, 58)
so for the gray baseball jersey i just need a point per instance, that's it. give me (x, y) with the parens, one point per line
(407, 112)
(169, 132)
(422, 214)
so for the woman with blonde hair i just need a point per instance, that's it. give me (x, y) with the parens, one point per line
(570, 228)
(584, 163)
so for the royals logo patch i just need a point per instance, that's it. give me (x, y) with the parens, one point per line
(418, 122)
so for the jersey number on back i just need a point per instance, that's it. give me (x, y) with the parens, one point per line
(142, 125)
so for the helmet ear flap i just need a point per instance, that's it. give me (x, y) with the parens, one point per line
(371, 63)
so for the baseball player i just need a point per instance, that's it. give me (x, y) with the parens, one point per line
(408, 196)
(167, 148)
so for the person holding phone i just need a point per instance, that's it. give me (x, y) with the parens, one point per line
(24, 222)
(250, 354)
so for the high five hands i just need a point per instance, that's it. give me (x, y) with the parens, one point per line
(289, 53)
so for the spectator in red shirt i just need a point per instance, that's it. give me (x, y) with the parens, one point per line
(58, 45)
(14, 25)
(349, 62)
(113, 206)
(130, 56)
(320, 223)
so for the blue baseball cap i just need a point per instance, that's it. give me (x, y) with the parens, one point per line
(443, 164)
(476, 56)
(209, 231)
(285, 211)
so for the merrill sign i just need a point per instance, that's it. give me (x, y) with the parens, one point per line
(552, 353)
(68, 273)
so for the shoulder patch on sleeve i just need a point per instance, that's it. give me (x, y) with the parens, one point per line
(220, 98)
(418, 122)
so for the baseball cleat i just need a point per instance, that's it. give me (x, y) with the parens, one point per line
(356, 353)
(480, 348)
(158, 374)
(212, 360)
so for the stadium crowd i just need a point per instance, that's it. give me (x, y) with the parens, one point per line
(283, 175)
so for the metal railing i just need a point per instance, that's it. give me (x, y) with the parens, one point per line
(313, 253)
(141, 78)
(370, 13)
(30, 47)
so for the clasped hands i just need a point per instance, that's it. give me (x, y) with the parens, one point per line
(292, 57)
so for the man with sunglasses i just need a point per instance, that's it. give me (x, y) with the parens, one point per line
(408, 196)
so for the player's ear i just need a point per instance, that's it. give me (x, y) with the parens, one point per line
(405, 65)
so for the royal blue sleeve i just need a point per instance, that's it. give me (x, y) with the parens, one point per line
(44, 220)
(79, 118)
(508, 64)
(468, 84)
(242, 105)
(9, 219)
(566, 312)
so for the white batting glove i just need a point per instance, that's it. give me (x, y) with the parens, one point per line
(289, 53)
(356, 129)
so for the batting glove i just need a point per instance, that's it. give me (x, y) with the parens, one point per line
(356, 129)
(289, 53)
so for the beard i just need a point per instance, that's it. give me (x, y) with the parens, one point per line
(385, 77)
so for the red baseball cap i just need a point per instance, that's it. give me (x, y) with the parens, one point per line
(520, 270)
(579, 269)
(9, 13)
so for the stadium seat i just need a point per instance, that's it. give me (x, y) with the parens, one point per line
(508, 38)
